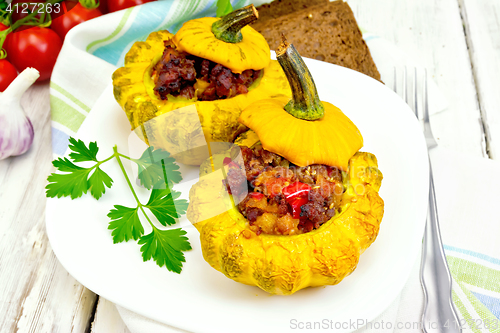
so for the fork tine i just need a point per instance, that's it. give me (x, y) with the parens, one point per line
(405, 87)
(415, 99)
(395, 82)
(426, 101)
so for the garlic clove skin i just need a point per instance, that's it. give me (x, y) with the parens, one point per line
(16, 130)
(16, 135)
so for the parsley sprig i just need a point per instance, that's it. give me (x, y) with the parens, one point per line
(76, 181)
(224, 7)
(157, 172)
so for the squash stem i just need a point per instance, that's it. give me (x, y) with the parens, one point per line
(228, 28)
(305, 103)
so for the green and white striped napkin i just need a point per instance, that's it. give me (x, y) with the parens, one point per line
(467, 188)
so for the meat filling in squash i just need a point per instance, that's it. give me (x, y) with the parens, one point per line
(284, 199)
(181, 74)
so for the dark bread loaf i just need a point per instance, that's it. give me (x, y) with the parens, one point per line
(279, 8)
(326, 32)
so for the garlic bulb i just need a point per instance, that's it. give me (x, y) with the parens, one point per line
(16, 130)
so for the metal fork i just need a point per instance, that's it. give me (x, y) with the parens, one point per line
(439, 313)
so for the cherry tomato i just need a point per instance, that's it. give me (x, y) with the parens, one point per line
(103, 6)
(116, 5)
(7, 74)
(22, 8)
(34, 47)
(66, 6)
(75, 16)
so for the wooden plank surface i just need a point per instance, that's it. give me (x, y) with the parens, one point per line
(431, 32)
(36, 293)
(107, 319)
(482, 24)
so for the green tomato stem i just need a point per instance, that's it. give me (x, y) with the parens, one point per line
(4, 16)
(305, 103)
(89, 4)
(3, 36)
(228, 28)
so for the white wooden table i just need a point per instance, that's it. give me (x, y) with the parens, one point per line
(458, 41)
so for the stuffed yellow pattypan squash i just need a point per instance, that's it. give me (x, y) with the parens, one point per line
(284, 264)
(304, 129)
(208, 72)
(285, 208)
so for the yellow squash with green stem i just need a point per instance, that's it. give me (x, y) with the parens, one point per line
(284, 264)
(227, 41)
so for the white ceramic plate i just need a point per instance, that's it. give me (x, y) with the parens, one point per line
(201, 299)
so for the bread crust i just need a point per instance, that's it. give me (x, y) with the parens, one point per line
(324, 31)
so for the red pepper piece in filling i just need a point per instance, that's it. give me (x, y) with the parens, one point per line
(296, 190)
(296, 204)
(256, 195)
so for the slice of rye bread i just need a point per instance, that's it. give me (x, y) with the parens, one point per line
(326, 32)
(279, 8)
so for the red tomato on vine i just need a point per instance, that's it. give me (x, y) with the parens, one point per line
(78, 14)
(2, 28)
(34, 47)
(116, 5)
(22, 8)
(103, 6)
(7, 74)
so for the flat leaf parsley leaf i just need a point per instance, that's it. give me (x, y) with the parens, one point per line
(165, 247)
(97, 181)
(72, 184)
(81, 153)
(163, 205)
(157, 169)
(223, 7)
(125, 224)
(76, 181)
